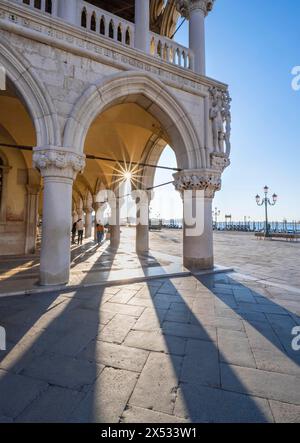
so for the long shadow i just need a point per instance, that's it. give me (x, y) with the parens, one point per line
(269, 319)
(192, 349)
(52, 361)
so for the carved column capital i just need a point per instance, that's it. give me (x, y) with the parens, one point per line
(185, 7)
(58, 162)
(206, 180)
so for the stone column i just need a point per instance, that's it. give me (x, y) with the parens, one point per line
(142, 25)
(32, 218)
(197, 188)
(142, 227)
(196, 11)
(69, 11)
(88, 222)
(59, 169)
(115, 230)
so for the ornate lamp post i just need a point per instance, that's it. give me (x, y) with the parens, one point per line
(216, 214)
(267, 202)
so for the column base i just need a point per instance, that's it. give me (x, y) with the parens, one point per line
(198, 264)
(47, 279)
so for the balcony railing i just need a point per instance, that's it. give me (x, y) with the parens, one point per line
(170, 51)
(102, 23)
(48, 6)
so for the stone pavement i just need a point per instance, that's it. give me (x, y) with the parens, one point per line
(94, 265)
(215, 349)
(277, 261)
(91, 264)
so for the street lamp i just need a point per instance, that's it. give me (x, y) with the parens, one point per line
(216, 214)
(266, 201)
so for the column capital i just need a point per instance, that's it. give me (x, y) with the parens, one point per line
(206, 180)
(185, 7)
(58, 162)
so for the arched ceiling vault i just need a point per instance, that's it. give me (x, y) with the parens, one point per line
(121, 133)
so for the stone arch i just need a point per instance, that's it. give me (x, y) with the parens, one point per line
(33, 93)
(152, 95)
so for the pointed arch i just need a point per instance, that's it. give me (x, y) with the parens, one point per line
(147, 91)
(111, 30)
(93, 22)
(84, 18)
(128, 37)
(102, 25)
(34, 94)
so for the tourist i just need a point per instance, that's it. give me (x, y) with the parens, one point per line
(100, 233)
(79, 227)
(74, 230)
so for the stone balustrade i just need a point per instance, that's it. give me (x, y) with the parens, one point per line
(171, 51)
(108, 25)
(47, 6)
(105, 24)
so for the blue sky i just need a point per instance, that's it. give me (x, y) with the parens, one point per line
(253, 45)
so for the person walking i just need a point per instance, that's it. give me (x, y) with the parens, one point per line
(100, 233)
(79, 227)
(74, 230)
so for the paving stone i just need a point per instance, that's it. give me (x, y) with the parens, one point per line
(178, 316)
(208, 405)
(118, 308)
(149, 303)
(265, 384)
(54, 405)
(94, 304)
(32, 344)
(147, 292)
(150, 320)
(226, 313)
(155, 341)
(235, 350)
(66, 317)
(123, 296)
(63, 371)
(106, 400)
(157, 386)
(189, 331)
(266, 308)
(109, 354)
(252, 317)
(140, 415)
(17, 392)
(284, 322)
(182, 307)
(244, 295)
(72, 343)
(217, 322)
(168, 288)
(277, 361)
(262, 336)
(223, 291)
(225, 301)
(285, 412)
(117, 329)
(201, 364)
